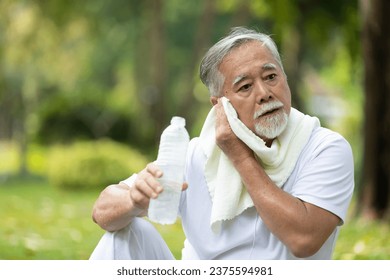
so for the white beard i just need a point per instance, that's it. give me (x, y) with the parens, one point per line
(272, 126)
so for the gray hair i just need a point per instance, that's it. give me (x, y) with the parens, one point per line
(209, 73)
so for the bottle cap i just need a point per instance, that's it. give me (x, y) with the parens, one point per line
(178, 121)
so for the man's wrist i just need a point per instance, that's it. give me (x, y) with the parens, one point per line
(244, 161)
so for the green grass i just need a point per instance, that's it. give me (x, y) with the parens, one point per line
(363, 240)
(40, 222)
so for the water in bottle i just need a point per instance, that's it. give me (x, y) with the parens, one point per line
(171, 160)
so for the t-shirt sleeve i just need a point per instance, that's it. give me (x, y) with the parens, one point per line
(326, 178)
(130, 181)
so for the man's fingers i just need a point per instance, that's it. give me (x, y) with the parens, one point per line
(149, 187)
(147, 181)
(153, 169)
(220, 112)
(139, 199)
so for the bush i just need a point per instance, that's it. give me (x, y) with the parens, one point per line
(92, 165)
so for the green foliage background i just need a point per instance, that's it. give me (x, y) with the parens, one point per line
(92, 165)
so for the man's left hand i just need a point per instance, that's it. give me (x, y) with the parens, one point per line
(227, 141)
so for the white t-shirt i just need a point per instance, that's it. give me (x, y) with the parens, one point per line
(323, 176)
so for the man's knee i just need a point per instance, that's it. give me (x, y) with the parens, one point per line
(140, 226)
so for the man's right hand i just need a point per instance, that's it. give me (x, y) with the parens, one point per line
(118, 204)
(146, 186)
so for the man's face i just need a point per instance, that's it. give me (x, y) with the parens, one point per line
(257, 88)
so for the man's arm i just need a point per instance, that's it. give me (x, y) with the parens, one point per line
(301, 226)
(114, 209)
(118, 204)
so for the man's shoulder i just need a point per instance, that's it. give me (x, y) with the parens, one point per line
(194, 150)
(193, 145)
(324, 139)
(325, 136)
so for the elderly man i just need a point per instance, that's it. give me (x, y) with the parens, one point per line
(264, 180)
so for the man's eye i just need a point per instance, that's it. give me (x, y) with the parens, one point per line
(271, 77)
(245, 87)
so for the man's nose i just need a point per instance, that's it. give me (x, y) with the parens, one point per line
(262, 94)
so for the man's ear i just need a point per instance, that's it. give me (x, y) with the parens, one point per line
(214, 100)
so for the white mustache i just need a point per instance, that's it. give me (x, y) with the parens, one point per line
(267, 107)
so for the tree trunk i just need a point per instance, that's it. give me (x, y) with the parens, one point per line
(20, 131)
(150, 70)
(202, 40)
(374, 196)
(158, 67)
(292, 50)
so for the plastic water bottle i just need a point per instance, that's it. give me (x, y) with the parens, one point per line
(171, 160)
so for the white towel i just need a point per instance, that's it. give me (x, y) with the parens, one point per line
(229, 196)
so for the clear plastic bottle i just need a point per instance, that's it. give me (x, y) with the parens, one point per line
(171, 160)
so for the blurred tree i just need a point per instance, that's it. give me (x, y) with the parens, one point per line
(21, 70)
(306, 31)
(375, 196)
(120, 69)
(202, 37)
